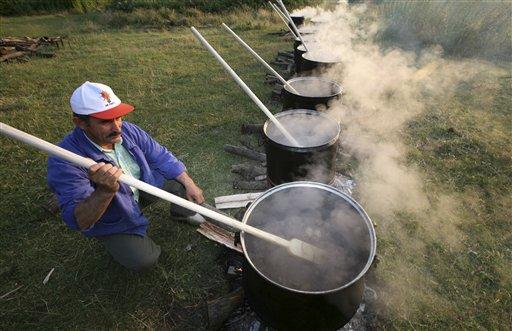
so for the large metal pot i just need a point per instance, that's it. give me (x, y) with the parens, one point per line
(313, 93)
(299, 49)
(316, 61)
(298, 20)
(314, 160)
(285, 291)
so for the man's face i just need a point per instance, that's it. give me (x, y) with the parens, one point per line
(103, 132)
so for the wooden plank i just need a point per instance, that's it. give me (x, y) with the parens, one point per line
(233, 204)
(219, 235)
(238, 197)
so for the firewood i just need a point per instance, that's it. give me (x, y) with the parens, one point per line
(220, 309)
(248, 143)
(13, 55)
(245, 152)
(219, 235)
(285, 54)
(253, 186)
(252, 128)
(248, 171)
(7, 50)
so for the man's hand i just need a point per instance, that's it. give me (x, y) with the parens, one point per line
(89, 211)
(106, 176)
(192, 191)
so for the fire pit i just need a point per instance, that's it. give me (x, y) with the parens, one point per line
(314, 93)
(314, 160)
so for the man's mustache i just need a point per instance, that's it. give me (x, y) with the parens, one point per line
(113, 134)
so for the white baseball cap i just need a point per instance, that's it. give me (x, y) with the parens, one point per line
(99, 101)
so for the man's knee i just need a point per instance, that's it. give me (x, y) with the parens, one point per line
(143, 263)
(134, 252)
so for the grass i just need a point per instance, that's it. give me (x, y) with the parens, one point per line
(463, 28)
(189, 104)
(462, 147)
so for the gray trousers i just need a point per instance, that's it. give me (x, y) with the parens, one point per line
(138, 253)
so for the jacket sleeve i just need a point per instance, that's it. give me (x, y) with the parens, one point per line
(159, 158)
(71, 185)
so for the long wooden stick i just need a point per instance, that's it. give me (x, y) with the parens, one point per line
(295, 246)
(292, 23)
(247, 47)
(244, 87)
(283, 17)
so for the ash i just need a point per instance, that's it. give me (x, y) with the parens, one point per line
(344, 184)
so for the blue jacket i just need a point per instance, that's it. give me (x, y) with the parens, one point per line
(71, 183)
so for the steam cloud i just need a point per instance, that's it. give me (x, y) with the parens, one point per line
(383, 91)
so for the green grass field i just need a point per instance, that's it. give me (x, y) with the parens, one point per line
(183, 98)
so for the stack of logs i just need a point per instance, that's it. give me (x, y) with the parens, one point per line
(15, 48)
(253, 175)
(286, 65)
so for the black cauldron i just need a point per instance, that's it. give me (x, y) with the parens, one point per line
(289, 293)
(298, 50)
(298, 20)
(313, 93)
(314, 160)
(316, 61)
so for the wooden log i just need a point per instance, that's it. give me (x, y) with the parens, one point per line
(247, 143)
(31, 48)
(248, 171)
(220, 309)
(252, 128)
(13, 55)
(285, 54)
(250, 185)
(7, 50)
(245, 152)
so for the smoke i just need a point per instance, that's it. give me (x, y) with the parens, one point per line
(384, 89)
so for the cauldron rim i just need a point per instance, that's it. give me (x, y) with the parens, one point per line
(347, 198)
(332, 82)
(308, 148)
(310, 57)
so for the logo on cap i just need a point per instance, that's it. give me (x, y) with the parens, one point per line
(106, 97)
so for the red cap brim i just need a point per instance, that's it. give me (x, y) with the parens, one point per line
(115, 112)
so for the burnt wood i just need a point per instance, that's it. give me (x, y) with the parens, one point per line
(248, 171)
(251, 128)
(245, 152)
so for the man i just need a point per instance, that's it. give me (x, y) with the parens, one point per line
(93, 201)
